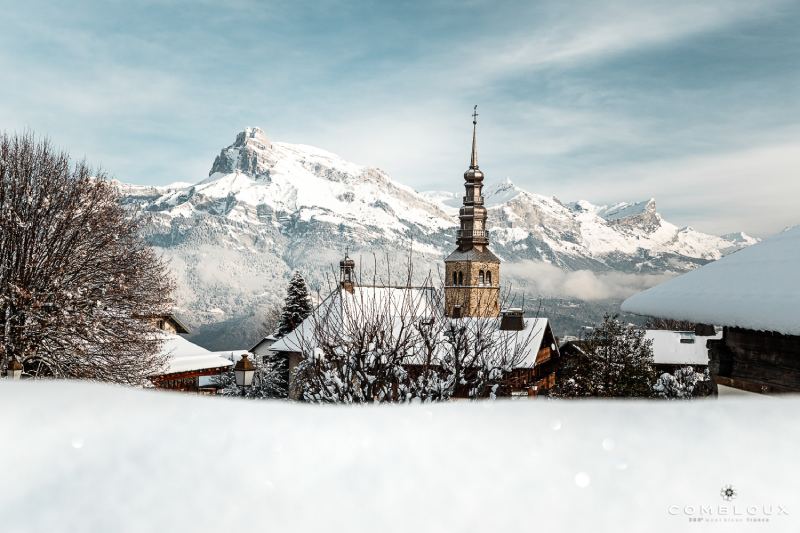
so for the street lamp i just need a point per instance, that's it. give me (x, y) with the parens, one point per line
(14, 370)
(244, 370)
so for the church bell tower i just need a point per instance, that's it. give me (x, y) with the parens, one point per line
(472, 271)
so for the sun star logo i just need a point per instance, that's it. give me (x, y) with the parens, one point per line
(728, 493)
(729, 513)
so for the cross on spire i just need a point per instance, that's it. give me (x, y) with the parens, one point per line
(473, 162)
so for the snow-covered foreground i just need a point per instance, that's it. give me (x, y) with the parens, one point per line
(87, 457)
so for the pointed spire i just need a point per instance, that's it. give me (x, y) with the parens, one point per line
(473, 162)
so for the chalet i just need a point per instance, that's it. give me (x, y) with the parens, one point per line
(754, 294)
(186, 362)
(263, 348)
(676, 349)
(471, 300)
(169, 323)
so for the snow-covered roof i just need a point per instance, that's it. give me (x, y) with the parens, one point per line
(755, 288)
(185, 356)
(268, 340)
(528, 339)
(679, 347)
(416, 301)
(390, 301)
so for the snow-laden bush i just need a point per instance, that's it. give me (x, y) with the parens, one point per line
(269, 381)
(685, 383)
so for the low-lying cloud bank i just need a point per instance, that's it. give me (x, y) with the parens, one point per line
(546, 280)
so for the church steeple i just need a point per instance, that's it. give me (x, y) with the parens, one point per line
(472, 271)
(472, 214)
(473, 162)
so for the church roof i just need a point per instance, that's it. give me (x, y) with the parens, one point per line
(417, 303)
(364, 300)
(485, 256)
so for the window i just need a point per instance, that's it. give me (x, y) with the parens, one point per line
(480, 278)
(460, 278)
(488, 277)
(687, 340)
(455, 278)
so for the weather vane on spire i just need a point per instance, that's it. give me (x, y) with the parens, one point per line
(475, 114)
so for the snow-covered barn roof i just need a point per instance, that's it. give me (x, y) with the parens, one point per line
(416, 301)
(679, 347)
(185, 356)
(755, 288)
(391, 301)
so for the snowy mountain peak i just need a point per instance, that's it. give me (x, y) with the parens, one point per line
(270, 207)
(625, 210)
(249, 154)
(741, 238)
(501, 192)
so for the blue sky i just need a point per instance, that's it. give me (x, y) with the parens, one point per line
(693, 103)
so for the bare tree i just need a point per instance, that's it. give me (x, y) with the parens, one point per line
(271, 321)
(395, 344)
(76, 279)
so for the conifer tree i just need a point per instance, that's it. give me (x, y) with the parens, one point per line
(614, 361)
(297, 305)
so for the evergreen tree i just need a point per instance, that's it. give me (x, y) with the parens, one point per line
(297, 305)
(614, 361)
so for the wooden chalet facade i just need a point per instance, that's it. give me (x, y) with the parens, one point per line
(763, 362)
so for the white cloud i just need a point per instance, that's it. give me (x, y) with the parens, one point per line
(755, 189)
(576, 32)
(546, 280)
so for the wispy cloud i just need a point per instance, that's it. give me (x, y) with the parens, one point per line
(587, 31)
(608, 100)
(545, 280)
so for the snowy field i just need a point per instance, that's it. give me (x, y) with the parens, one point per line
(98, 458)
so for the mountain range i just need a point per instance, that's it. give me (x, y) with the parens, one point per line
(268, 208)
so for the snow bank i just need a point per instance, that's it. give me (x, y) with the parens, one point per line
(88, 457)
(756, 288)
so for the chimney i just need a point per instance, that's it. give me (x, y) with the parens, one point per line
(511, 319)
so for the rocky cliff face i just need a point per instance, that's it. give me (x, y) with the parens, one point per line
(268, 208)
